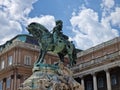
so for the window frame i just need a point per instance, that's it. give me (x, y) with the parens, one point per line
(100, 82)
(114, 80)
(2, 64)
(8, 82)
(27, 60)
(89, 85)
(10, 60)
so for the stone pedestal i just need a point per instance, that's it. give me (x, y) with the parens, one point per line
(51, 77)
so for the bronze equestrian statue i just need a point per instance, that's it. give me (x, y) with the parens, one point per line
(56, 42)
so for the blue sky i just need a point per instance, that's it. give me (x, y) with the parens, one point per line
(86, 22)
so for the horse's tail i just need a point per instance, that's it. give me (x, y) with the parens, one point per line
(74, 55)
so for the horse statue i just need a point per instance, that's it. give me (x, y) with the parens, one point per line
(45, 40)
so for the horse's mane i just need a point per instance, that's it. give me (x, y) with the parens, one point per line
(43, 28)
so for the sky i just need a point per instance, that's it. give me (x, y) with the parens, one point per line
(86, 22)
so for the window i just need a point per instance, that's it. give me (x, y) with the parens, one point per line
(45, 61)
(10, 60)
(0, 85)
(113, 79)
(89, 85)
(8, 82)
(3, 64)
(100, 82)
(27, 60)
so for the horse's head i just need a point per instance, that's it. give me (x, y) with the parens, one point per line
(33, 29)
(36, 29)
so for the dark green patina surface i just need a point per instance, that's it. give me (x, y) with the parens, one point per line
(56, 42)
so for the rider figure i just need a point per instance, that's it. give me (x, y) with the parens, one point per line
(57, 31)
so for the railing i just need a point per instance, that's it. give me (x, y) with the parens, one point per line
(96, 61)
(12, 66)
(20, 44)
(27, 45)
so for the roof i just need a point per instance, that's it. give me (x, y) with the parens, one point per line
(21, 37)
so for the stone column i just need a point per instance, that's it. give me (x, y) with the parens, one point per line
(12, 82)
(108, 80)
(94, 81)
(4, 84)
(82, 83)
(15, 82)
(18, 80)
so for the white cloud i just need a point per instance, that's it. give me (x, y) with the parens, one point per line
(17, 9)
(110, 15)
(9, 28)
(89, 30)
(48, 21)
(107, 4)
(114, 17)
(12, 13)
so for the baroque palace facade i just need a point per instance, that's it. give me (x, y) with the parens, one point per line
(97, 68)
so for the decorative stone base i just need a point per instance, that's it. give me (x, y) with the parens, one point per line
(51, 77)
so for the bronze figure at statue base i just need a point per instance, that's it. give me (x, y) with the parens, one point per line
(51, 77)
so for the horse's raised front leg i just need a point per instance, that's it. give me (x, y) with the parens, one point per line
(42, 56)
(70, 49)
